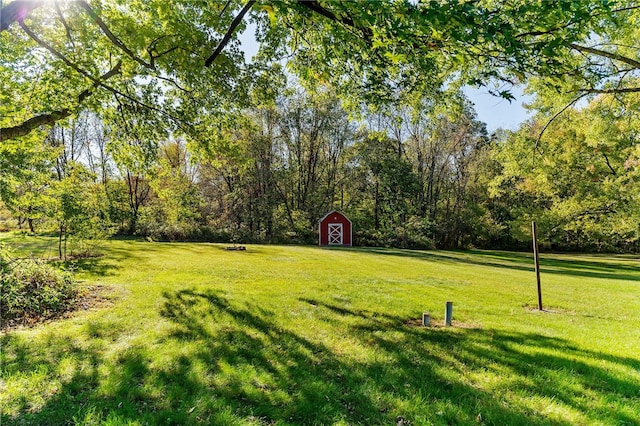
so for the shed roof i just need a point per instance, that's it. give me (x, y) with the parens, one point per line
(334, 212)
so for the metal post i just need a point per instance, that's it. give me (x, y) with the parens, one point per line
(426, 319)
(537, 262)
(448, 313)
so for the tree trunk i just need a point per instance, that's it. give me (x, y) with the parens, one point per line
(376, 207)
(60, 232)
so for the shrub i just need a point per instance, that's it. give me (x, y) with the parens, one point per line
(404, 237)
(31, 289)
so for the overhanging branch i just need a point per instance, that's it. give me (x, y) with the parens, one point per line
(227, 37)
(112, 37)
(613, 90)
(546, 126)
(97, 82)
(17, 11)
(51, 118)
(606, 54)
(33, 123)
(316, 7)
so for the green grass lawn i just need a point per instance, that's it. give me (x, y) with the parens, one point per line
(195, 334)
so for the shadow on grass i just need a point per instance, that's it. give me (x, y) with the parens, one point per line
(110, 258)
(106, 261)
(105, 264)
(522, 262)
(226, 362)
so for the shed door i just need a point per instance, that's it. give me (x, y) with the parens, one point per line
(335, 234)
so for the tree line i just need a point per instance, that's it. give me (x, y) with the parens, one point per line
(413, 174)
(145, 118)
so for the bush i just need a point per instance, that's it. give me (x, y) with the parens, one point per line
(30, 289)
(412, 234)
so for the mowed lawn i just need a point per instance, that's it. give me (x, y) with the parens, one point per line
(195, 334)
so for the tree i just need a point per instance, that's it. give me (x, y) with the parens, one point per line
(74, 208)
(281, 169)
(388, 184)
(314, 132)
(133, 144)
(26, 170)
(579, 181)
(160, 56)
(437, 151)
(455, 160)
(237, 183)
(173, 209)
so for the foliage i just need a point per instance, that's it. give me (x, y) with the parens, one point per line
(116, 57)
(422, 175)
(375, 124)
(284, 168)
(173, 212)
(25, 174)
(303, 335)
(5, 218)
(154, 59)
(31, 289)
(45, 183)
(580, 183)
(73, 208)
(418, 46)
(414, 234)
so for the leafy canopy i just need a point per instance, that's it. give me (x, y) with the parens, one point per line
(181, 61)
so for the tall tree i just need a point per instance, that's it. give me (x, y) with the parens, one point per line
(314, 130)
(172, 210)
(26, 171)
(580, 179)
(388, 179)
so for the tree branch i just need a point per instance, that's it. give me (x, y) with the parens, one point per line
(51, 118)
(86, 74)
(546, 126)
(33, 123)
(316, 7)
(115, 40)
(605, 54)
(606, 159)
(232, 28)
(66, 26)
(57, 54)
(624, 9)
(17, 11)
(612, 91)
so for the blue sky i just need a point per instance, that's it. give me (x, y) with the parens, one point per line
(498, 112)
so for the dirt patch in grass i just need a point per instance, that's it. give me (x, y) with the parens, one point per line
(547, 310)
(95, 297)
(89, 298)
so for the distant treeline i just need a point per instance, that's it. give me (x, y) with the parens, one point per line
(414, 175)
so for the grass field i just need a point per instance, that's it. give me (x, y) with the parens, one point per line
(195, 334)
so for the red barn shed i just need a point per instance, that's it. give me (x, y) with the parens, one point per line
(334, 229)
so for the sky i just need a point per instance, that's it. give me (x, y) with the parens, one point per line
(494, 111)
(498, 112)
